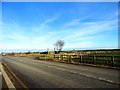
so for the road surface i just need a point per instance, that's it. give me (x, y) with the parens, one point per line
(46, 74)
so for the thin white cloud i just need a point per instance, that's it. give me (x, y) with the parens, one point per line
(14, 37)
(85, 44)
(45, 24)
(89, 28)
(75, 22)
(80, 36)
(18, 41)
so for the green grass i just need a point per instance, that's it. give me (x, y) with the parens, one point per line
(86, 59)
(106, 54)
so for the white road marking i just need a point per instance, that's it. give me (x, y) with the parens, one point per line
(7, 80)
(102, 79)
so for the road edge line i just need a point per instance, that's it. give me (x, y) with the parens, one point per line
(24, 86)
(101, 79)
(7, 79)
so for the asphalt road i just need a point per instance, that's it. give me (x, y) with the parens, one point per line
(46, 74)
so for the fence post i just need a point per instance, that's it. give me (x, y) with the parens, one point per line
(61, 56)
(94, 58)
(80, 58)
(112, 58)
(70, 58)
(54, 56)
(67, 58)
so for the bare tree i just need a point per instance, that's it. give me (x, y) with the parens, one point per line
(59, 45)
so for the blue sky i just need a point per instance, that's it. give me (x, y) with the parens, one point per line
(38, 25)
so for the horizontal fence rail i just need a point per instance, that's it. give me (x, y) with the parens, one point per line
(112, 61)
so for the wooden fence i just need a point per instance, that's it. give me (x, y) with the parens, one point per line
(113, 61)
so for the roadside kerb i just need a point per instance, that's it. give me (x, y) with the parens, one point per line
(7, 80)
(18, 83)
